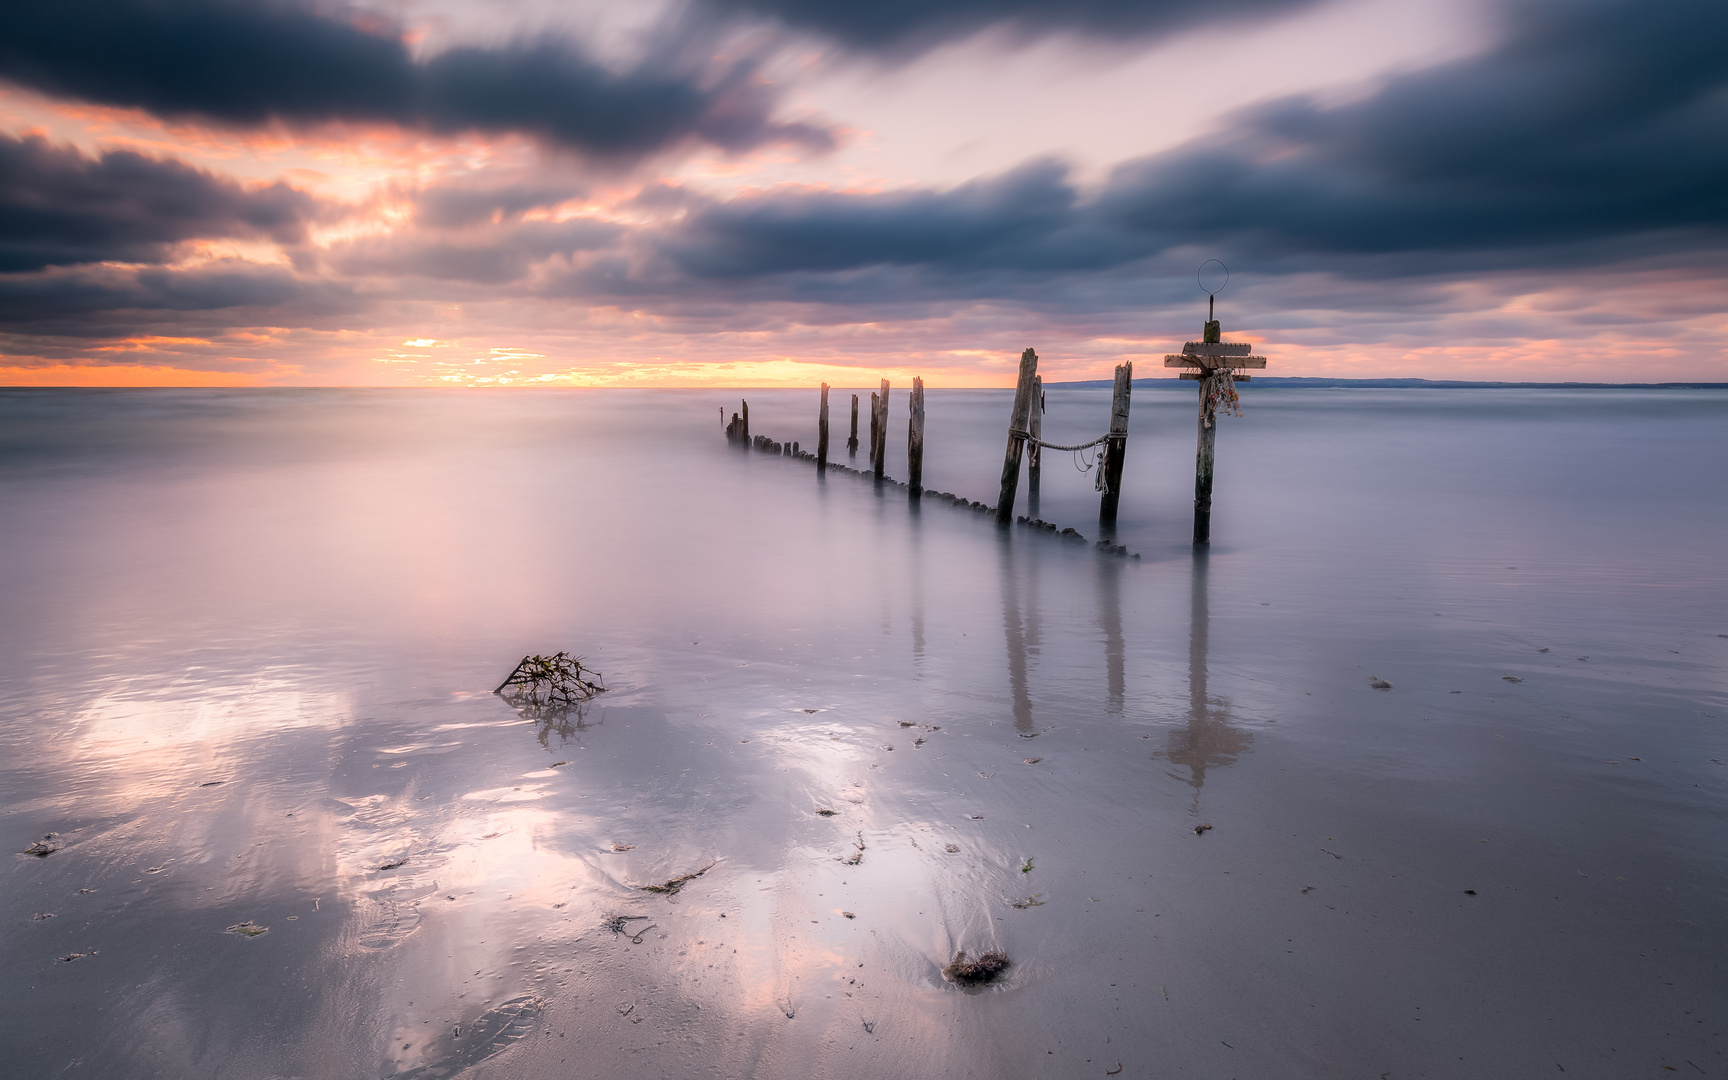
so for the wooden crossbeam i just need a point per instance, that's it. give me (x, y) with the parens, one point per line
(1198, 375)
(1216, 348)
(1174, 360)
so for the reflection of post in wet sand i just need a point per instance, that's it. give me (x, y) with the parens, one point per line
(1110, 621)
(1208, 739)
(1022, 632)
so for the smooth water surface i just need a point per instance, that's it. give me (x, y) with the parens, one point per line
(250, 638)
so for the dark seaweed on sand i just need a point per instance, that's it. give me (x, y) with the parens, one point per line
(974, 972)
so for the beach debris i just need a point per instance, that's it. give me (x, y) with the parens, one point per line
(557, 764)
(1511, 678)
(847, 915)
(976, 817)
(1469, 892)
(887, 746)
(43, 847)
(1378, 683)
(1026, 866)
(556, 680)
(43, 915)
(625, 1008)
(1541, 650)
(615, 922)
(823, 811)
(810, 710)
(905, 723)
(869, 1027)
(952, 849)
(403, 861)
(69, 957)
(1027, 902)
(616, 846)
(1201, 829)
(213, 783)
(1113, 1072)
(671, 886)
(919, 741)
(1029, 734)
(857, 856)
(1033, 760)
(248, 929)
(1334, 854)
(974, 972)
(1306, 889)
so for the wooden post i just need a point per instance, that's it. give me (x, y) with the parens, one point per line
(1203, 467)
(822, 433)
(852, 443)
(746, 425)
(1035, 453)
(881, 457)
(915, 441)
(1116, 448)
(1017, 433)
(870, 456)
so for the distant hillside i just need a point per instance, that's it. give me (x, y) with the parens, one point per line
(1288, 382)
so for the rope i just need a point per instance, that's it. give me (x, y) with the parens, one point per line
(1081, 446)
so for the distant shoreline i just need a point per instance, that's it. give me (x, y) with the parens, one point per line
(1301, 383)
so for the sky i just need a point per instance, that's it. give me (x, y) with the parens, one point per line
(784, 192)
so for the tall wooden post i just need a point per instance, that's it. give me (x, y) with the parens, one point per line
(915, 441)
(852, 443)
(1035, 453)
(822, 433)
(1116, 447)
(1017, 433)
(746, 425)
(1203, 467)
(881, 456)
(870, 457)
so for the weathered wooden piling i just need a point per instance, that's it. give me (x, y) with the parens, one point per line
(880, 458)
(1116, 446)
(915, 441)
(822, 433)
(875, 428)
(1035, 453)
(746, 432)
(1017, 434)
(1218, 362)
(852, 443)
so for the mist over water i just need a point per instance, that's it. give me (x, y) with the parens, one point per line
(250, 638)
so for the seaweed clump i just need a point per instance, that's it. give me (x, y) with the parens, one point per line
(976, 972)
(550, 682)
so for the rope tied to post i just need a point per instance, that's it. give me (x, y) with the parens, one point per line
(1030, 441)
(1220, 394)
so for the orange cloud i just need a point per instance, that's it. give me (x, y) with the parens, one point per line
(121, 375)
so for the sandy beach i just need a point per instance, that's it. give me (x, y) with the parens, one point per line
(245, 682)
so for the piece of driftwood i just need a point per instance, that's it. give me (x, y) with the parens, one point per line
(556, 680)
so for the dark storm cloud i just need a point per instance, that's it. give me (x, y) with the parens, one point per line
(1592, 122)
(83, 302)
(1023, 218)
(249, 64)
(58, 207)
(1592, 133)
(907, 26)
(488, 257)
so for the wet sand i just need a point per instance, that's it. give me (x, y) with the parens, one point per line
(250, 640)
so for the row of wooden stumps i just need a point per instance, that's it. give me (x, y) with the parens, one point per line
(878, 454)
(1025, 430)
